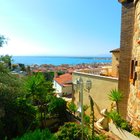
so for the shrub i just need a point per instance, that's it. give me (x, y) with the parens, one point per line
(37, 135)
(69, 131)
(119, 121)
(72, 107)
(116, 96)
(86, 119)
(136, 133)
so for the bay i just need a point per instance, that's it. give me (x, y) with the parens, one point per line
(39, 60)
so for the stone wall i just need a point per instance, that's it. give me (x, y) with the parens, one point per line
(134, 96)
(101, 87)
(129, 73)
(115, 63)
(125, 54)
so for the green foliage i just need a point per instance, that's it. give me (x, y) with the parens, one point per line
(60, 73)
(97, 137)
(6, 60)
(85, 107)
(86, 119)
(115, 95)
(37, 135)
(16, 114)
(40, 93)
(57, 106)
(49, 76)
(37, 85)
(136, 133)
(22, 67)
(70, 131)
(3, 40)
(117, 119)
(73, 131)
(72, 107)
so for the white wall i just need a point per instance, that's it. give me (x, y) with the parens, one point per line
(57, 87)
(60, 89)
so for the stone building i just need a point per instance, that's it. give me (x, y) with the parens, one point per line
(129, 68)
(115, 61)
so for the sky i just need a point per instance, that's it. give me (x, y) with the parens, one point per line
(60, 27)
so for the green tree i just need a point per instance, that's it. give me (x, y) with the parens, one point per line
(16, 115)
(116, 96)
(39, 93)
(7, 60)
(72, 107)
(3, 40)
(49, 76)
(57, 106)
(37, 135)
(22, 67)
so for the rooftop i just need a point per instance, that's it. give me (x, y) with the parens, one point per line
(64, 80)
(115, 50)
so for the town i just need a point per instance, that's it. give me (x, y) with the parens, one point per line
(96, 101)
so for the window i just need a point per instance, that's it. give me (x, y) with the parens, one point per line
(133, 73)
(132, 69)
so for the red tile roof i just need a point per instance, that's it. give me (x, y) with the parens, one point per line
(64, 80)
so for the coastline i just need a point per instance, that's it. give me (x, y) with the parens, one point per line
(59, 60)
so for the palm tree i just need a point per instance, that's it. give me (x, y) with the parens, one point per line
(116, 96)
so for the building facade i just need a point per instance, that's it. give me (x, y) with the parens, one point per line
(100, 90)
(115, 62)
(129, 69)
(63, 85)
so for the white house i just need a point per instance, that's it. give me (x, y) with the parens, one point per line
(63, 84)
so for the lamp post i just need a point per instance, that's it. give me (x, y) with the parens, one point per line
(88, 87)
(80, 85)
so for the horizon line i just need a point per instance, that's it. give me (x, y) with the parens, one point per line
(54, 56)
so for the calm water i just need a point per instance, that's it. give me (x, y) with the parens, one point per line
(29, 60)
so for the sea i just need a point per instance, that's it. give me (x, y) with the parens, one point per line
(39, 60)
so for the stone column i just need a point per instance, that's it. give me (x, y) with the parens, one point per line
(126, 43)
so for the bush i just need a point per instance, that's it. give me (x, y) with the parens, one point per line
(86, 119)
(136, 133)
(72, 107)
(57, 106)
(69, 131)
(37, 135)
(117, 119)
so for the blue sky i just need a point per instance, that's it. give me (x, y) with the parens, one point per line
(60, 27)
